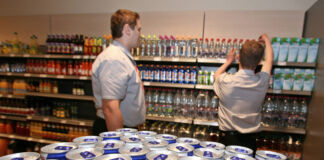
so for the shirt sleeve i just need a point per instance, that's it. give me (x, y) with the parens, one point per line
(265, 77)
(217, 84)
(113, 78)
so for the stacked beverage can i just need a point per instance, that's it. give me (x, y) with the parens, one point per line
(110, 146)
(57, 150)
(22, 156)
(84, 153)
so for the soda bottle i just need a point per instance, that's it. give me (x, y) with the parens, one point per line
(192, 104)
(169, 74)
(180, 75)
(163, 74)
(175, 74)
(146, 73)
(187, 75)
(201, 77)
(151, 73)
(176, 103)
(161, 46)
(194, 47)
(207, 78)
(157, 73)
(169, 47)
(193, 75)
(155, 46)
(148, 46)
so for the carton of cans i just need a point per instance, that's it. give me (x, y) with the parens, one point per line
(192, 141)
(87, 141)
(136, 152)
(233, 149)
(209, 153)
(162, 154)
(134, 140)
(23, 155)
(168, 137)
(114, 157)
(127, 131)
(146, 134)
(210, 144)
(112, 135)
(156, 144)
(84, 153)
(57, 150)
(265, 155)
(181, 149)
(110, 146)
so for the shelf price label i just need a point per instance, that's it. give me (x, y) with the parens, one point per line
(157, 59)
(9, 74)
(27, 75)
(92, 57)
(47, 56)
(82, 123)
(175, 59)
(281, 63)
(43, 75)
(86, 57)
(83, 78)
(60, 76)
(26, 55)
(76, 57)
(276, 91)
(45, 119)
(63, 121)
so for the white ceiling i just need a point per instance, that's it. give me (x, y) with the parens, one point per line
(52, 7)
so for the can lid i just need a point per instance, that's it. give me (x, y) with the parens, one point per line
(192, 158)
(191, 141)
(239, 156)
(154, 142)
(21, 156)
(162, 154)
(239, 149)
(110, 144)
(146, 133)
(208, 153)
(111, 134)
(180, 147)
(134, 150)
(210, 144)
(87, 140)
(59, 147)
(114, 157)
(166, 137)
(84, 153)
(132, 139)
(270, 155)
(132, 130)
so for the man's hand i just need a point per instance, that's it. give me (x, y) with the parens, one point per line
(264, 38)
(229, 59)
(230, 56)
(268, 57)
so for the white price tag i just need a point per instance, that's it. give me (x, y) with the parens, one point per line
(29, 117)
(29, 139)
(60, 77)
(26, 55)
(41, 141)
(277, 91)
(157, 59)
(3, 117)
(12, 55)
(76, 57)
(83, 78)
(92, 57)
(1, 95)
(63, 121)
(222, 60)
(43, 75)
(11, 136)
(27, 75)
(9, 74)
(175, 59)
(45, 119)
(146, 83)
(82, 123)
(9, 96)
(281, 63)
(47, 56)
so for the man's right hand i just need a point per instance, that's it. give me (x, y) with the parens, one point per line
(264, 38)
(230, 56)
(268, 57)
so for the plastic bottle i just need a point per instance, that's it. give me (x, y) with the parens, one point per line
(176, 103)
(223, 51)
(169, 47)
(302, 114)
(169, 74)
(175, 74)
(148, 46)
(293, 110)
(155, 46)
(205, 106)
(155, 101)
(211, 49)
(191, 104)
(148, 101)
(180, 75)
(143, 46)
(168, 109)
(214, 103)
(187, 78)
(194, 47)
(284, 113)
(199, 108)
(184, 104)
(267, 112)
(162, 104)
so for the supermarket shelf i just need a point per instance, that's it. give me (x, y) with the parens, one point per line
(206, 87)
(205, 122)
(294, 64)
(34, 75)
(62, 96)
(302, 93)
(30, 139)
(47, 56)
(285, 130)
(171, 85)
(210, 60)
(76, 122)
(170, 119)
(11, 96)
(14, 117)
(166, 59)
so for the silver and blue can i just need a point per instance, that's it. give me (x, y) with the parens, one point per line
(156, 144)
(146, 134)
(87, 141)
(239, 150)
(209, 153)
(182, 149)
(269, 155)
(127, 131)
(192, 141)
(112, 135)
(22, 156)
(238, 157)
(57, 150)
(133, 140)
(136, 152)
(168, 137)
(110, 146)
(192, 158)
(114, 157)
(161, 155)
(84, 153)
(210, 144)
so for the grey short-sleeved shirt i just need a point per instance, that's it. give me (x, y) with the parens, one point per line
(240, 100)
(114, 76)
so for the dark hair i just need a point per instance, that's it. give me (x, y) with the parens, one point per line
(251, 54)
(119, 19)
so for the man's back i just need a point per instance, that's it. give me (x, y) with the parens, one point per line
(241, 96)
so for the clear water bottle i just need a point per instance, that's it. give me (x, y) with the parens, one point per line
(155, 101)
(176, 103)
(284, 113)
(155, 47)
(199, 108)
(218, 48)
(192, 104)
(211, 49)
(275, 113)
(205, 106)
(302, 114)
(162, 103)
(148, 102)
(223, 50)
(143, 46)
(194, 47)
(184, 104)
(148, 46)
(214, 103)
(293, 110)
(267, 112)
(168, 109)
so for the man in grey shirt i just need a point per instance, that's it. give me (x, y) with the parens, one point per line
(117, 86)
(241, 95)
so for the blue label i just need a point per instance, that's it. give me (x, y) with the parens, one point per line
(211, 145)
(62, 148)
(87, 155)
(110, 145)
(163, 75)
(241, 150)
(208, 154)
(161, 157)
(118, 159)
(144, 133)
(135, 149)
(273, 156)
(237, 158)
(110, 135)
(91, 140)
(167, 137)
(182, 149)
(188, 141)
(154, 142)
(134, 139)
(125, 130)
(19, 158)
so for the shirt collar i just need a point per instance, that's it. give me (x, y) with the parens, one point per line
(246, 71)
(123, 48)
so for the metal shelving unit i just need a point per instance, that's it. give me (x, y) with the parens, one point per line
(62, 96)
(52, 76)
(11, 96)
(47, 56)
(30, 139)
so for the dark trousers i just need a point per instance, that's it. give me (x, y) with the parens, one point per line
(99, 126)
(236, 138)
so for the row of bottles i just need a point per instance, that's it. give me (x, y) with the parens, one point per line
(65, 133)
(14, 127)
(60, 67)
(15, 46)
(181, 103)
(44, 86)
(284, 112)
(13, 67)
(185, 46)
(15, 106)
(168, 74)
